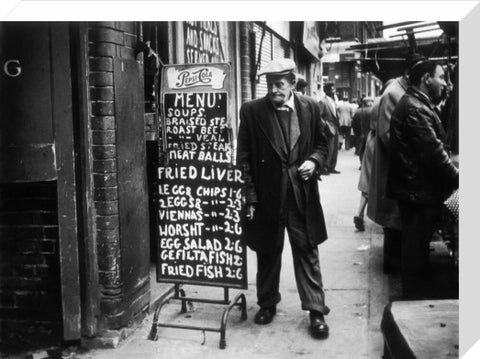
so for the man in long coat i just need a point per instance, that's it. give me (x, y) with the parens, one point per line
(381, 209)
(281, 147)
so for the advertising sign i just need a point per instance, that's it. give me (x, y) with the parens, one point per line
(199, 190)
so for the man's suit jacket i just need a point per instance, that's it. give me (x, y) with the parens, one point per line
(329, 116)
(345, 113)
(263, 154)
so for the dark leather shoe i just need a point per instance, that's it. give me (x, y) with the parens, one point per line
(334, 171)
(358, 221)
(318, 327)
(265, 315)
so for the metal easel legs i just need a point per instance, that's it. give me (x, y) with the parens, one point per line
(177, 293)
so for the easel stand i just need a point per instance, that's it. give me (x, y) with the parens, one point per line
(177, 293)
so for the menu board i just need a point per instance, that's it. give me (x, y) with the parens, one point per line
(199, 190)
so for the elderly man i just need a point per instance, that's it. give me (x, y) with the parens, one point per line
(421, 174)
(281, 147)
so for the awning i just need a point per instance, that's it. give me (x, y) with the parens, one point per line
(385, 58)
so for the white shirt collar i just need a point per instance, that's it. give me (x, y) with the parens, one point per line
(331, 100)
(290, 104)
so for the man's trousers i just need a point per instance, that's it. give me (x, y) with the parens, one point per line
(418, 225)
(346, 133)
(331, 161)
(306, 264)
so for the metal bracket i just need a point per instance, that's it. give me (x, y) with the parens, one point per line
(179, 294)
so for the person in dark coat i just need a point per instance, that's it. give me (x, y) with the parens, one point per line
(420, 175)
(361, 126)
(329, 115)
(366, 123)
(381, 209)
(281, 146)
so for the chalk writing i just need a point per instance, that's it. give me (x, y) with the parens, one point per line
(197, 127)
(199, 192)
(202, 42)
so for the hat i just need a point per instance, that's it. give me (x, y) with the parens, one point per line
(278, 67)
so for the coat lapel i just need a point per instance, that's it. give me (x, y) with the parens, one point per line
(271, 128)
(331, 108)
(302, 123)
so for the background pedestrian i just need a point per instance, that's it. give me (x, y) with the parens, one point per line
(381, 209)
(363, 116)
(328, 113)
(421, 174)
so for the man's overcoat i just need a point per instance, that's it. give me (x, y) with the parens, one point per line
(381, 209)
(263, 154)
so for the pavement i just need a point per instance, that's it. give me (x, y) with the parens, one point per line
(356, 292)
(355, 286)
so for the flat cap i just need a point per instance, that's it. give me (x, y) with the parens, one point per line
(278, 67)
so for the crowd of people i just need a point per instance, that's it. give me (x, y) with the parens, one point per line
(287, 140)
(407, 172)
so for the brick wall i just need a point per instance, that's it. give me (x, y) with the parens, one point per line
(30, 307)
(106, 42)
(30, 296)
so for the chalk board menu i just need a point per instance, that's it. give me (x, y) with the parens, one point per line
(199, 190)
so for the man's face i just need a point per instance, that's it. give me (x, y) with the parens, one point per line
(436, 83)
(279, 89)
(331, 92)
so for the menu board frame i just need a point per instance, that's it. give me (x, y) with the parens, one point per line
(188, 87)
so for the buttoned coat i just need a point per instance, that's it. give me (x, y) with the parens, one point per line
(262, 153)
